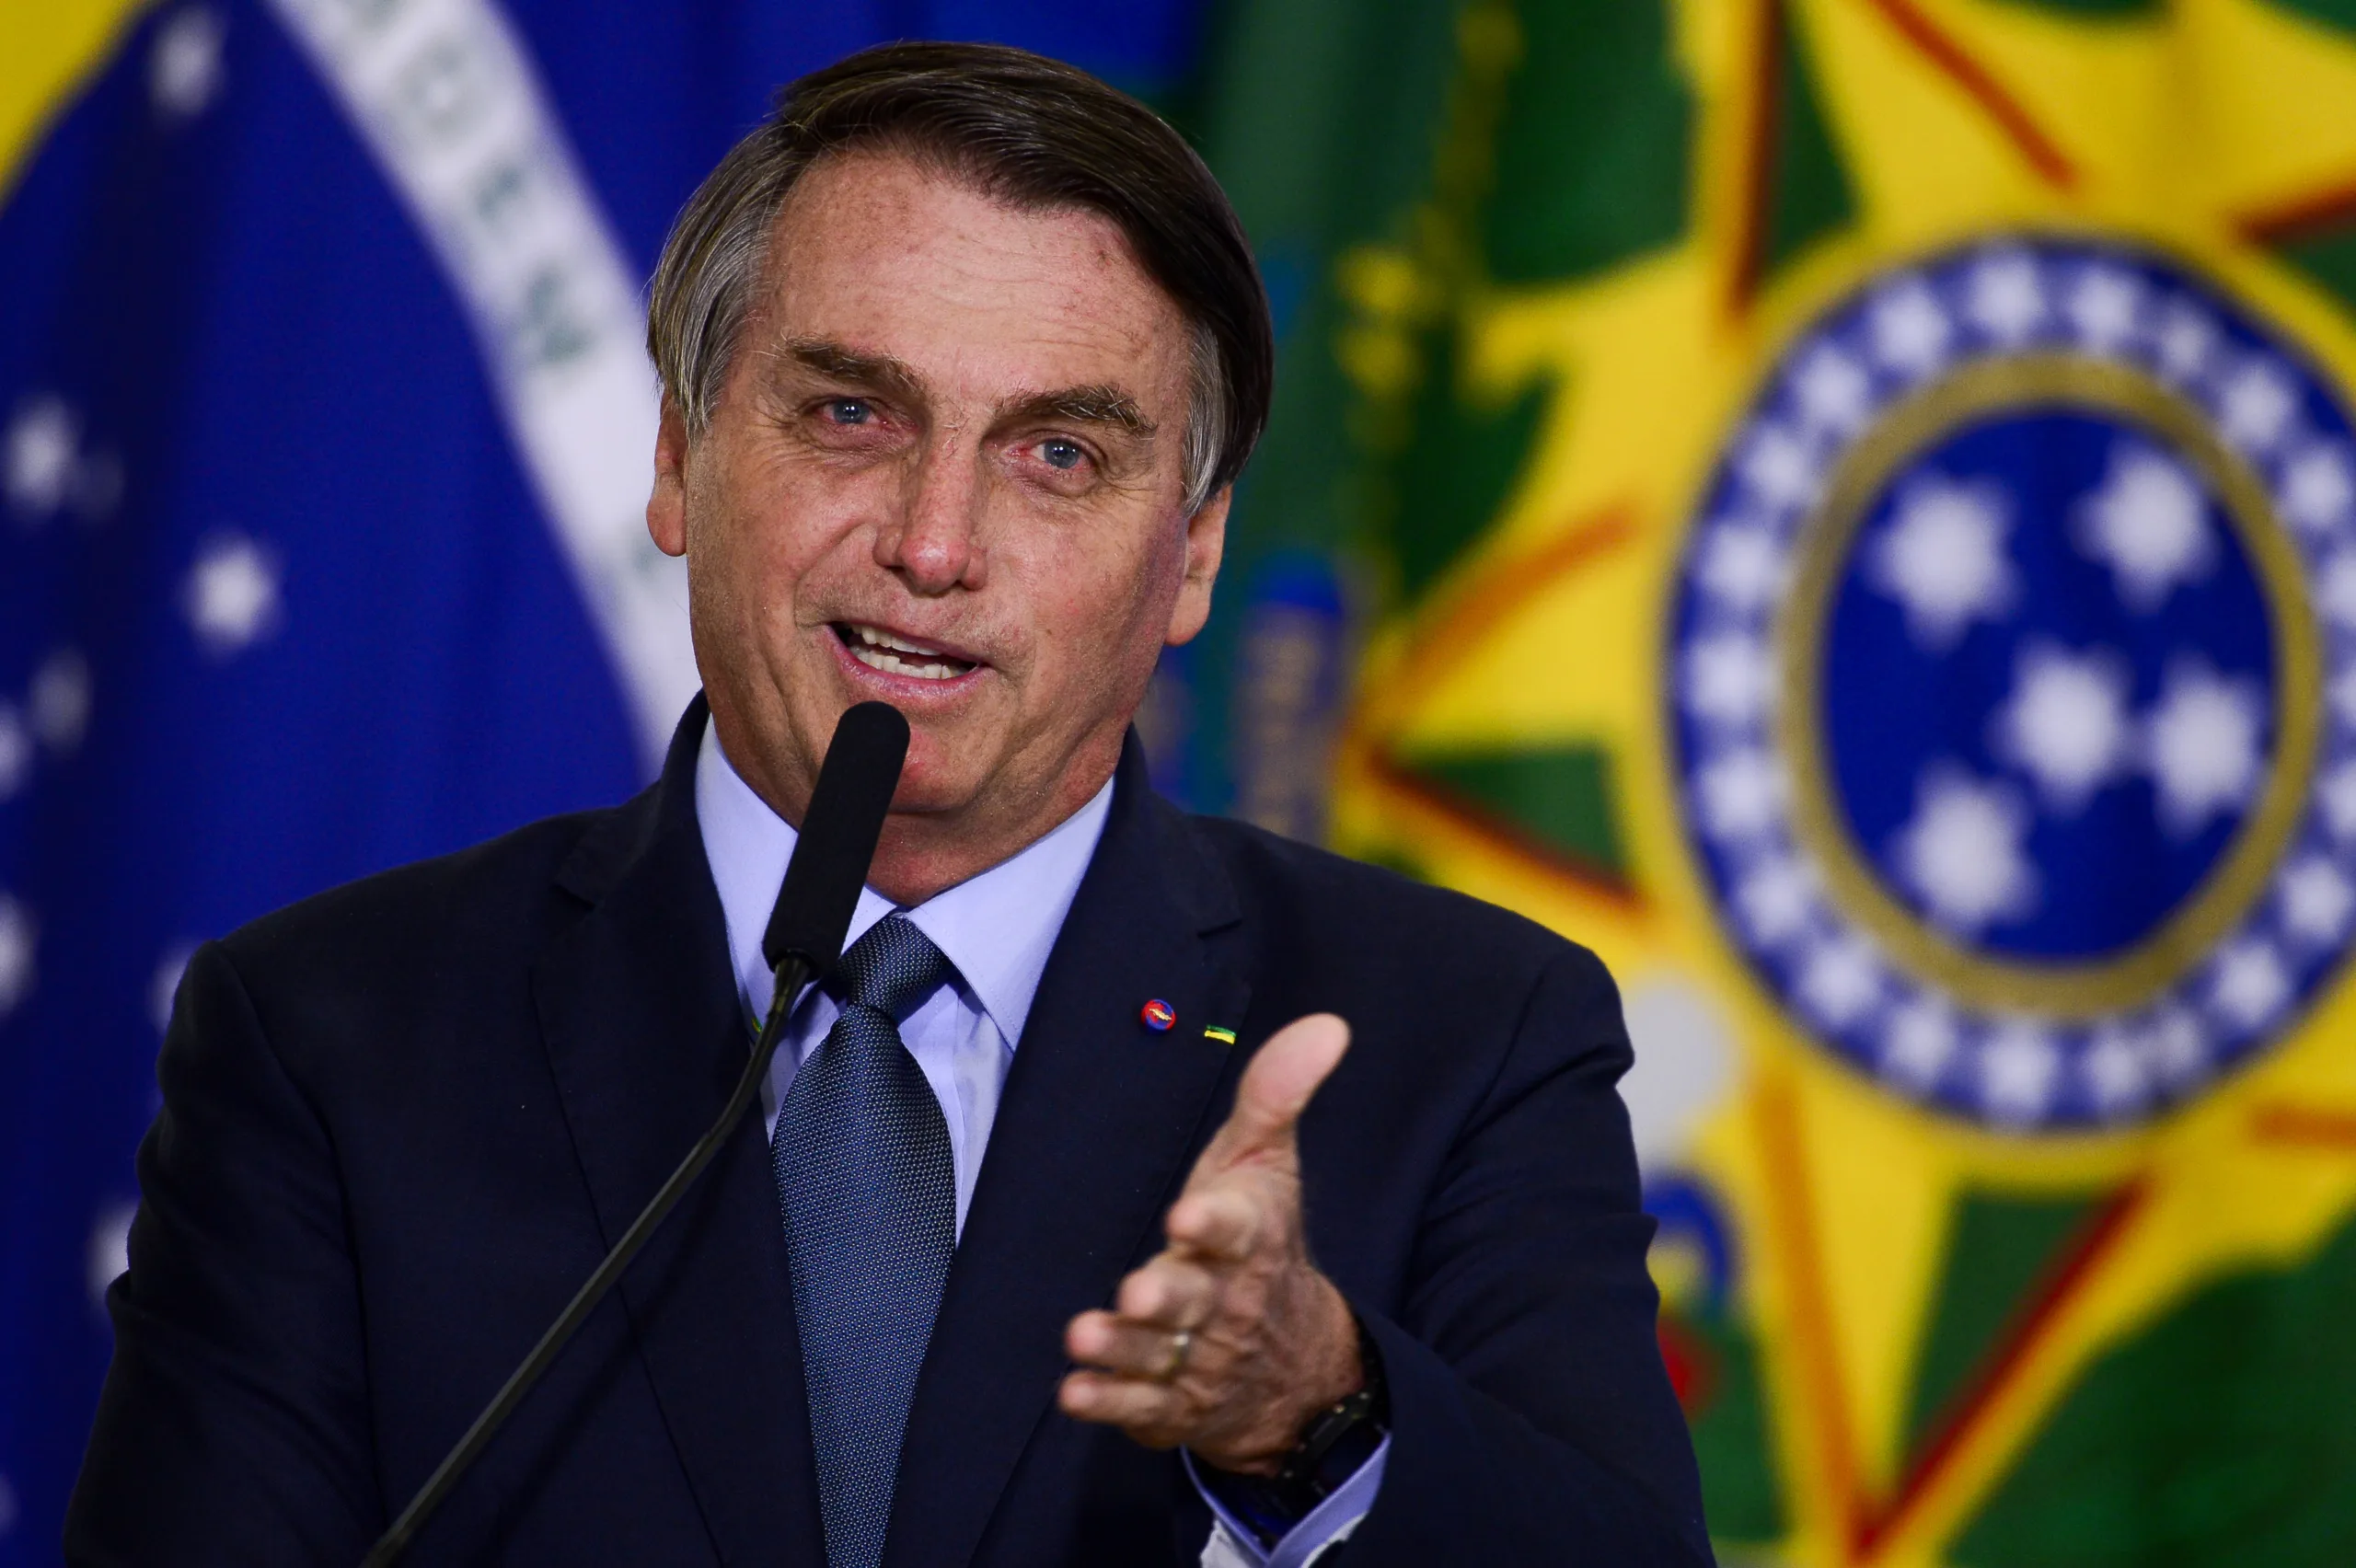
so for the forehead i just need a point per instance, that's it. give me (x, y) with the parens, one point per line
(884, 255)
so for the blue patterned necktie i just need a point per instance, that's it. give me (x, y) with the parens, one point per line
(869, 1190)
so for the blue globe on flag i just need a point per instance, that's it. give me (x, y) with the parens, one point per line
(2047, 547)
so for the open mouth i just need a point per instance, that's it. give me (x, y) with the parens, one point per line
(896, 655)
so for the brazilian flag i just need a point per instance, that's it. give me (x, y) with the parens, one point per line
(1849, 509)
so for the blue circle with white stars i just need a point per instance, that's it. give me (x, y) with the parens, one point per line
(1979, 683)
(1900, 706)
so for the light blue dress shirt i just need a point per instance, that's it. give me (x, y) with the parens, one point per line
(997, 929)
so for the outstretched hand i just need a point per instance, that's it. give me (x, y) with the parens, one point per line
(1228, 1341)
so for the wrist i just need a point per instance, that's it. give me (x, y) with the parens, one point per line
(1335, 1441)
(1342, 1371)
(1335, 1371)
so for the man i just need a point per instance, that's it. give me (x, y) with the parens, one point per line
(961, 354)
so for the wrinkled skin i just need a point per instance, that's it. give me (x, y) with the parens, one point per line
(957, 426)
(885, 451)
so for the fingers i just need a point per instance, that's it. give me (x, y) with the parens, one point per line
(1150, 1413)
(1219, 1224)
(1282, 1077)
(1234, 1233)
(1104, 1343)
(1169, 1292)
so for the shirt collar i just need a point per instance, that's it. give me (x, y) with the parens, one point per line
(997, 928)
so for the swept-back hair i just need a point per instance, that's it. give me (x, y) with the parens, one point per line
(1020, 129)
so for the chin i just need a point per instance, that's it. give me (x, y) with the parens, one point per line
(927, 786)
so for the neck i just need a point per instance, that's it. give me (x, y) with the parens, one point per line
(922, 854)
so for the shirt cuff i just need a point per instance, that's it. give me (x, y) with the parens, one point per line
(1232, 1544)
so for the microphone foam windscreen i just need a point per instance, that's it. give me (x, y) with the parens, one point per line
(838, 834)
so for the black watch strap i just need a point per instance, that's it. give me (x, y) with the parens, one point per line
(1337, 1441)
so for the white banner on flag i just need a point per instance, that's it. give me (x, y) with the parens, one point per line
(445, 98)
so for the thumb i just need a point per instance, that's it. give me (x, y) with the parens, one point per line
(1277, 1086)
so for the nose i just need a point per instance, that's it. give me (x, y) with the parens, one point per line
(934, 545)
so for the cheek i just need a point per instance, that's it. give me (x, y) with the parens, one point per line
(760, 544)
(1106, 616)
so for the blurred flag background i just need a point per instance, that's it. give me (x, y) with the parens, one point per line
(1846, 506)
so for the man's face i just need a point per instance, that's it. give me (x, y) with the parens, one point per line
(944, 472)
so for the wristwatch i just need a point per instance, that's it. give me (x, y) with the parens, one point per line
(1336, 1442)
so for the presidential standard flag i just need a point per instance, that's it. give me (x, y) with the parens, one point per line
(1855, 505)
(325, 438)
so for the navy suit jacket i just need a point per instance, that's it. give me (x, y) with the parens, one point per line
(404, 1119)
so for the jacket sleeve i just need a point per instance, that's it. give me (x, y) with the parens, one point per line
(1531, 1418)
(233, 1426)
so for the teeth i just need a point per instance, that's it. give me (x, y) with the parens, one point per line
(883, 659)
(875, 638)
(882, 650)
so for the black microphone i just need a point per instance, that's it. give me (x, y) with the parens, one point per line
(853, 792)
(805, 940)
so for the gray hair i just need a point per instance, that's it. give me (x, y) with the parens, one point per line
(1023, 130)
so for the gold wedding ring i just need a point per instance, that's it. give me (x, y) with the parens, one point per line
(1181, 1344)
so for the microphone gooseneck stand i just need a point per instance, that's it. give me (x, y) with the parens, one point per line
(804, 940)
(792, 977)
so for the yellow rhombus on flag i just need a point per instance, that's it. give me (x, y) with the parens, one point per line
(1863, 503)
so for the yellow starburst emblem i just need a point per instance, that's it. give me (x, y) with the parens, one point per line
(1910, 569)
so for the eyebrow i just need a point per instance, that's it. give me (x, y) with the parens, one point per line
(1086, 405)
(1100, 404)
(880, 372)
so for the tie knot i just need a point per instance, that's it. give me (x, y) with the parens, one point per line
(892, 967)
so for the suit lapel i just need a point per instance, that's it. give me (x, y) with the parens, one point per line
(645, 1038)
(1094, 1136)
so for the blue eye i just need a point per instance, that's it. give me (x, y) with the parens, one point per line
(1065, 455)
(850, 411)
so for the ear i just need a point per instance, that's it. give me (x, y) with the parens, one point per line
(666, 508)
(1206, 542)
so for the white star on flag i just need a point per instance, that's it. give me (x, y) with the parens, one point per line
(2065, 722)
(110, 1254)
(18, 935)
(2249, 984)
(1840, 982)
(2255, 408)
(231, 596)
(164, 986)
(2178, 1047)
(1911, 332)
(2317, 900)
(1918, 1041)
(2187, 340)
(2006, 300)
(16, 751)
(1835, 393)
(59, 701)
(1728, 680)
(1780, 468)
(2104, 307)
(1776, 900)
(2336, 590)
(1743, 566)
(1962, 852)
(2338, 798)
(40, 459)
(2319, 487)
(2018, 1067)
(1943, 559)
(2149, 522)
(2201, 744)
(184, 68)
(1741, 792)
(2116, 1072)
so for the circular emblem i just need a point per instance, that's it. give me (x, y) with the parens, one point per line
(2014, 683)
